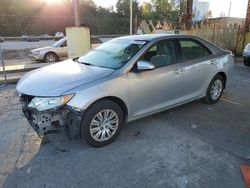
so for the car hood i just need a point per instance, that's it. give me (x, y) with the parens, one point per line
(56, 79)
(42, 49)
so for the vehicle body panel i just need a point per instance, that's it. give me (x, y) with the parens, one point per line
(196, 73)
(53, 80)
(151, 90)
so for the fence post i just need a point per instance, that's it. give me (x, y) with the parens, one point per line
(213, 33)
(2, 60)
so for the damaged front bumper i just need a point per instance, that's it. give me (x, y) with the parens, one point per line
(55, 120)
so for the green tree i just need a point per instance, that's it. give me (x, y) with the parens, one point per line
(162, 9)
(123, 8)
(147, 11)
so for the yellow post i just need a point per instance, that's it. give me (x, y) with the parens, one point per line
(78, 41)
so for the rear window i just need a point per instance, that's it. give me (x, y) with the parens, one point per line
(192, 50)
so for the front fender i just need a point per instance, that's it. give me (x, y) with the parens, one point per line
(85, 96)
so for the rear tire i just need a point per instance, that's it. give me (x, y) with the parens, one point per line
(214, 90)
(246, 63)
(102, 123)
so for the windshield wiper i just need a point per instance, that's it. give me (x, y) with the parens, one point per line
(87, 64)
(76, 59)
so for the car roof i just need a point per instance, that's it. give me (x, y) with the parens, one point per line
(150, 37)
(156, 37)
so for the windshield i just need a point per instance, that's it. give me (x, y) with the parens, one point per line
(58, 43)
(112, 54)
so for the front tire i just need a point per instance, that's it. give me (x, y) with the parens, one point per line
(214, 90)
(102, 123)
(50, 57)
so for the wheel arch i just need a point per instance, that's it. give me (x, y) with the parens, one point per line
(224, 76)
(117, 100)
(50, 52)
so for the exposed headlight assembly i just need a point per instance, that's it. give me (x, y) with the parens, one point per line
(46, 103)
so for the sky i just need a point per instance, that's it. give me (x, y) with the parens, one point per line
(238, 8)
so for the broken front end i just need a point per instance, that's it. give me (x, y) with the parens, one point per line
(51, 114)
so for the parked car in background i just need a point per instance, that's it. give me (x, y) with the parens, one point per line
(57, 51)
(1, 39)
(31, 38)
(59, 35)
(46, 37)
(124, 79)
(246, 55)
(24, 37)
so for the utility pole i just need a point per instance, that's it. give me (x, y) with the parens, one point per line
(131, 18)
(189, 12)
(76, 12)
(229, 9)
(3, 65)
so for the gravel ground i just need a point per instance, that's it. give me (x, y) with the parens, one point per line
(194, 145)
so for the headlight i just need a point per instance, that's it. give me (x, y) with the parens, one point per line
(47, 103)
(36, 52)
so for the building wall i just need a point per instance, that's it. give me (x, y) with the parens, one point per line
(200, 8)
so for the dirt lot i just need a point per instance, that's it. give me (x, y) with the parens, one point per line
(195, 145)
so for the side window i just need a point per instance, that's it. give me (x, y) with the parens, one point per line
(192, 50)
(161, 54)
(64, 44)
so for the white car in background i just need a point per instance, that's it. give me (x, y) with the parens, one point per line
(56, 51)
(59, 35)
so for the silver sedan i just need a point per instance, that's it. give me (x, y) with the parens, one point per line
(56, 51)
(50, 53)
(122, 80)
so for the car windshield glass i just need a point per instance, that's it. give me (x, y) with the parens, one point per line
(112, 54)
(58, 43)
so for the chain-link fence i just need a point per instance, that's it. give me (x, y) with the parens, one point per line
(16, 26)
(20, 34)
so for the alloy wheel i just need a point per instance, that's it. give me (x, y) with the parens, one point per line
(50, 58)
(216, 89)
(104, 125)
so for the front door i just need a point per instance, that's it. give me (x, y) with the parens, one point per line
(156, 89)
(62, 51)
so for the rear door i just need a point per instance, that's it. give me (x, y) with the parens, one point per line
(198, 65)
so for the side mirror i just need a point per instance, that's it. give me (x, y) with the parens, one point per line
(145, 65)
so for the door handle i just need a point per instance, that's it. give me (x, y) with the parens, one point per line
(179, 71)
(213, 62)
